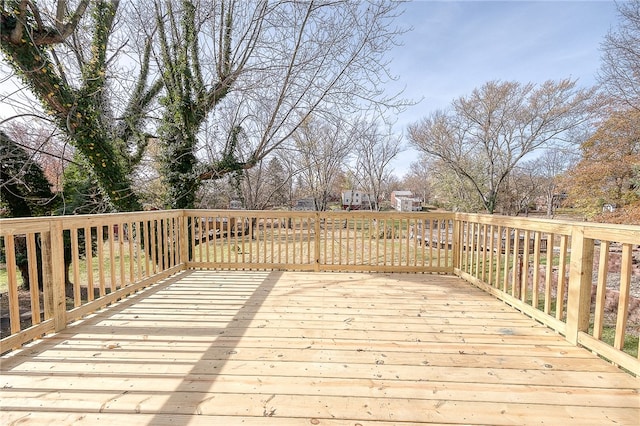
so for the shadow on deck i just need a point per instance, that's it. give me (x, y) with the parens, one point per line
(227, 347)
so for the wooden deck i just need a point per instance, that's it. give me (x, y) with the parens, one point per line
(281, 348)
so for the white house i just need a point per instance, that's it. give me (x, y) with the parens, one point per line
(396, 194)
(403, 201)
(355, 200)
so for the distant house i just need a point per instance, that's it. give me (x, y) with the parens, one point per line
(403, 201)
(235, 205)
(305, 204)
(406, 204)
(396, 194)
(355, 200)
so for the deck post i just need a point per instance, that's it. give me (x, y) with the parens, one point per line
(183, 238)
(316, 243)
(456, 243)
(580, 278)
(55, 247)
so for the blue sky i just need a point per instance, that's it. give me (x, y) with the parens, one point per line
(456, 46)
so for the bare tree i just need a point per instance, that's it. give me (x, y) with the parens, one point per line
(65, 55)
(620, 70)
(266, 184)
(374, 151)
(417, 180)
(264, 67)
(24, 187)
(321, 151)
(451, 190)
(486, 134)
(549, 168)
(45, 146)
(278, 181)
(520, 190)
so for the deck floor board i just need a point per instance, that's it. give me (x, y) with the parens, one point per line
(255, 347)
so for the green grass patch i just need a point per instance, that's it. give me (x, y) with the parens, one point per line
(4, 279)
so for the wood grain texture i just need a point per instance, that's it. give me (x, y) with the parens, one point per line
(281, 348)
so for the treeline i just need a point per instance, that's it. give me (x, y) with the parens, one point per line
(509, 147)
(146, 105)
(207, 103)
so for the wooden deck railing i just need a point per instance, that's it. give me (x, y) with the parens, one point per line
(127, 252)
(559, 273)
(320, 241)
(563, 274)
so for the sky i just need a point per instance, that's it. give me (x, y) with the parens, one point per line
(457, 46)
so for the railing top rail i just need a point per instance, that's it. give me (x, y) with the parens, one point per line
(609, 231)
(622, 233)
(23, 225)
(42, 223)
(307, 213)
